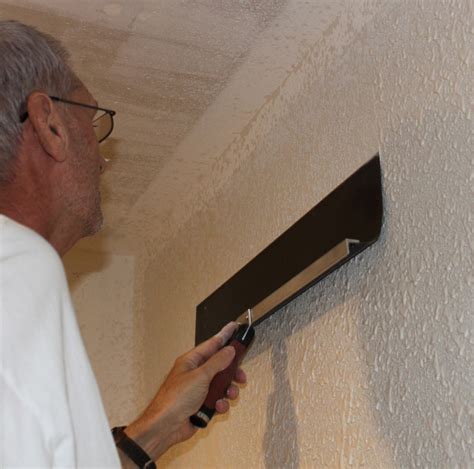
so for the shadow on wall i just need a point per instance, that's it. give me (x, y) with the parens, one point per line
(281, 445)
(281, 413)
(79, 263)
(352, 281)
(397, 309)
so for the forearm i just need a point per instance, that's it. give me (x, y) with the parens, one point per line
(151, 435)
(143, 440)
(165, 422)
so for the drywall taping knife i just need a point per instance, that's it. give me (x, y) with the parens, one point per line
(241, 340)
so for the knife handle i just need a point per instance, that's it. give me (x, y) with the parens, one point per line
(241, 340)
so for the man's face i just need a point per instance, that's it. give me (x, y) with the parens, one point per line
(86, 164)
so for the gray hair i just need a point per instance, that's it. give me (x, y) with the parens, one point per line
(29, 60)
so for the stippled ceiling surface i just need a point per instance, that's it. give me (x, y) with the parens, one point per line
(162, 65)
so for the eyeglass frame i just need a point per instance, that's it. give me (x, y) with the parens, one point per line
(111, 113)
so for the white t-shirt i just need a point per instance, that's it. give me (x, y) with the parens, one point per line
(51, 413)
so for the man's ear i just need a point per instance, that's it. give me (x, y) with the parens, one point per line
(48, 124)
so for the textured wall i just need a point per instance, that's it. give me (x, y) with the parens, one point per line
(103, 293)
(373, 366)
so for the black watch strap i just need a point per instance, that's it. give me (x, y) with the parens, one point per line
(131, 449)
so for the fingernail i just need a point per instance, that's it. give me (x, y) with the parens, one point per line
(226, 332)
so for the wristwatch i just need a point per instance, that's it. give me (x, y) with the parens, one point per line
(131, 449)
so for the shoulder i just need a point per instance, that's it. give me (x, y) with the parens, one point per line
(33, 285)
(26, 254)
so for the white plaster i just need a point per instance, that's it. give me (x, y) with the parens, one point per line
(373, 366)
(113, 9)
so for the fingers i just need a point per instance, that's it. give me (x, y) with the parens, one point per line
(222, 406)
(218, 362)
(198, 355)
(240, 376)
(232, 392)
(226, 332)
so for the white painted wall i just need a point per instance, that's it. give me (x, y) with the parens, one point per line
(373, 366)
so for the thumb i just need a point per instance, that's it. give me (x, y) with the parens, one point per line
(219, 361)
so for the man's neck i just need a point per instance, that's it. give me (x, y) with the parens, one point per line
(34, 213)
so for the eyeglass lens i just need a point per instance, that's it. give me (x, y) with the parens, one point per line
(103, 125)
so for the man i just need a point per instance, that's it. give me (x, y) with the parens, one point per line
(50, 166)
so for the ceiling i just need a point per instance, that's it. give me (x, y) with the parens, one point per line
(185, 78)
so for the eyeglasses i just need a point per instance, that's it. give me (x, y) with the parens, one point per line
(103, 122)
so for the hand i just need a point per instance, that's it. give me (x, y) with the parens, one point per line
(165, 421)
